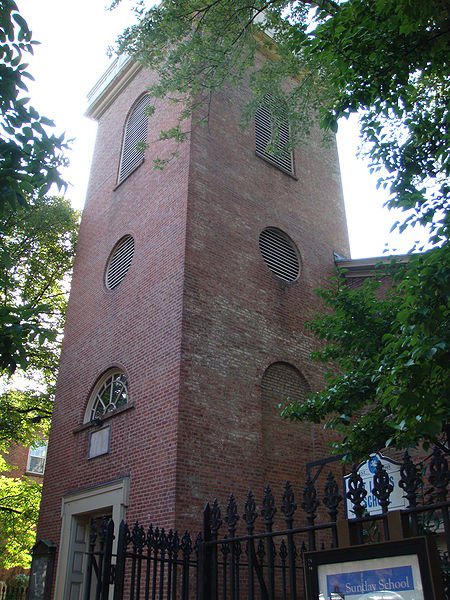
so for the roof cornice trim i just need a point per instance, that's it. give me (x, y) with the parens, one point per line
(109, 86)
(368, 267)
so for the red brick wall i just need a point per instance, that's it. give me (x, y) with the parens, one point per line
(136, 326)
(198, 318)
(238, 317)
(17, 457)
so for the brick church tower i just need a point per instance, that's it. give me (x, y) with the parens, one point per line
(185, 326)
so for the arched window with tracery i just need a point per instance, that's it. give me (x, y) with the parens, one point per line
(110, 393)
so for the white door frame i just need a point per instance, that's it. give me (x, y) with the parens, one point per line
(113, 494)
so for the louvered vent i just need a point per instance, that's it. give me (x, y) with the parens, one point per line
(264, 134)
(135, 134)
(279, 254)
(119, 262)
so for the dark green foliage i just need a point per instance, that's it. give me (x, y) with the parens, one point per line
(387, 60)
(29, 156)
(19, 510)
(37, 241)
(37, 244)
(36, 251)
(390, 384)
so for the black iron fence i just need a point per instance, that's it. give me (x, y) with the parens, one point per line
(239, 556)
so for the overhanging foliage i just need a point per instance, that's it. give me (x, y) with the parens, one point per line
(30, 157)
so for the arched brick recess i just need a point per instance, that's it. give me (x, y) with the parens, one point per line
(287, 446)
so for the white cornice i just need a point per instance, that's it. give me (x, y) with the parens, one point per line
(109, 86)
(368, 267)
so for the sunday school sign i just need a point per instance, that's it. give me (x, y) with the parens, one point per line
(407, 569)
(367, 471)
(372, 577)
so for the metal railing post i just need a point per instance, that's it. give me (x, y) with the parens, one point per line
(106, 570)
(120, 562)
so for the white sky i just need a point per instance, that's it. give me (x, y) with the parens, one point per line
(74, 37)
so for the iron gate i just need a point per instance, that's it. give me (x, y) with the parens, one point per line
(245, 556)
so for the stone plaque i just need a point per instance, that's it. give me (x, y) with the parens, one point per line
(99, 442)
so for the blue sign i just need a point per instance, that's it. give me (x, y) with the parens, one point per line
(394, 579)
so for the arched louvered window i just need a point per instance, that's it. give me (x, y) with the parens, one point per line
(272, 129)
(110, 393)
(119, 262)
(134, 137)
(280, 254)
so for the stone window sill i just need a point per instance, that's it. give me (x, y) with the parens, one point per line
(101, 420)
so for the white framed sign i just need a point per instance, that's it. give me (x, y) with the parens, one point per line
(99, 442)
(400, 570)
(397, 577)
(367, 471)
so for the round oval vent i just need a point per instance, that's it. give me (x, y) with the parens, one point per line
(119, 262)
(280, 254)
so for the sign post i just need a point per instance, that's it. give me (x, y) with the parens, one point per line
(41, 572)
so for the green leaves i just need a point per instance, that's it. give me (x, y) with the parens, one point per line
(35, 259)
(25, 415)
(390, 383)
(386, 60)
(37, 244)
(30, 157)
(19, 511)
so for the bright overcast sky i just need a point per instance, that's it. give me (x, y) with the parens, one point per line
(74, 39)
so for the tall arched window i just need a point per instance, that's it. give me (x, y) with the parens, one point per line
(272, 134)
(110, 393)
(134, 138)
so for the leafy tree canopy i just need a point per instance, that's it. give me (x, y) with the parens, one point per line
(29, 156)
(387, 61)
(19, 511)
(390, 385)
(37, 245)
(37, 240)
(36, 250)
(30, 159)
